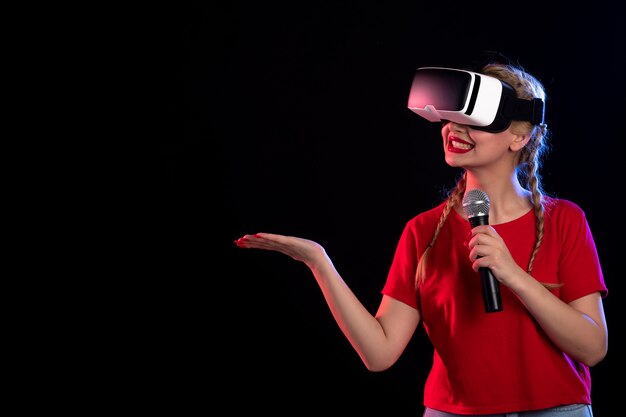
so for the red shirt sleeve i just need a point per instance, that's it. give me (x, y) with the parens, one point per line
(579, 264)
(401, 283)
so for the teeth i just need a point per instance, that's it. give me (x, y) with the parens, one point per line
(461, 145)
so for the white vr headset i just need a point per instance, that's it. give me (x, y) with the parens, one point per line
(470, 98)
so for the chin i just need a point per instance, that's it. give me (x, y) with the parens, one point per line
(450, 160)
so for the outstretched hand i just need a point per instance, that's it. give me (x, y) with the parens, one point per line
(303, 250)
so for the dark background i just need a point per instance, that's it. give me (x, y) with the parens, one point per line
(291, 118)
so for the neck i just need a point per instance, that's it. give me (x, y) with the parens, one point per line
(508, 199)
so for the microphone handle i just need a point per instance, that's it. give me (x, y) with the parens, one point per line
(491, 291)
(491, 287)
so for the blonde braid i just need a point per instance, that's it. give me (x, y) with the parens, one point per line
(529, 169)
(533, 184)
(530, 160)
(453, 199)
(531, 156)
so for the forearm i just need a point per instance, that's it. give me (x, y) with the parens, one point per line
(362, 329)
(576, 333)
(379, 340)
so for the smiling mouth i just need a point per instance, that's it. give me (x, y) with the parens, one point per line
(457, 145)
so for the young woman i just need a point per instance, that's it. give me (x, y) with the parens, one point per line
(533, 356)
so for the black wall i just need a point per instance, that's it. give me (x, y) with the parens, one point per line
(292, 119)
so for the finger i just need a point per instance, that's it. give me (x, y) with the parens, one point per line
(249, 241)
(480, 263)
(485, 230)
(244, 241)
(483, 239)
(474, 241)
(480, 251)
(480, 229)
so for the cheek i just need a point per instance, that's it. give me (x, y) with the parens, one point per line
(445, 131)
(444, 137)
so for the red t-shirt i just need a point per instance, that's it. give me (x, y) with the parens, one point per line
(503, 361)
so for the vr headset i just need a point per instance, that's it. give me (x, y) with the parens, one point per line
(470, 98)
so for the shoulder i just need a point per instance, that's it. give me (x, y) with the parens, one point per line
(428, 216)
(564, 215)
(419, 230)
(562, 207)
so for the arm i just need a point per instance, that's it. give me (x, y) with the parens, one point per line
(578, 328)
(379, 340)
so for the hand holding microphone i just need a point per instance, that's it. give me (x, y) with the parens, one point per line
(476, 207)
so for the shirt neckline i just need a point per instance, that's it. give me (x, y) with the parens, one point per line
(523, 216)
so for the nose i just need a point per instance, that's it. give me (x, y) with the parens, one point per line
(457, 126)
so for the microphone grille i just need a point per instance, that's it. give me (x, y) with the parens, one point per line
(475, 203)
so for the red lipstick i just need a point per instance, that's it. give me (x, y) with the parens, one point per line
(456, 145)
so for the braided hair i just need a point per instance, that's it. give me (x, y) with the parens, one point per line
(530, 159)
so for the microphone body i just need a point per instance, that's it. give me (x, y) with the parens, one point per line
(476, 207)
(491, 286)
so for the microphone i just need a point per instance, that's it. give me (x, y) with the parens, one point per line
(476, 207)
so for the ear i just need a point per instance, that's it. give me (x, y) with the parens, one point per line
(518, 142)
